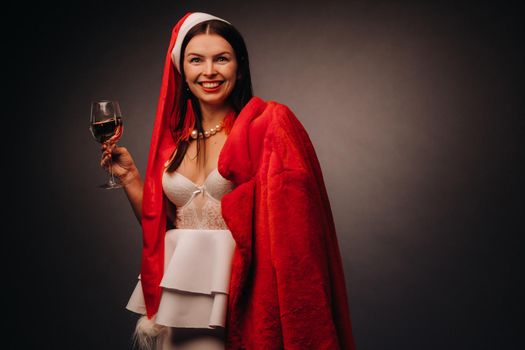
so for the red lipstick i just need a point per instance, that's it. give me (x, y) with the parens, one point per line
(214, 89)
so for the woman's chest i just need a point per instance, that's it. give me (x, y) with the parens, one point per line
(201, 158)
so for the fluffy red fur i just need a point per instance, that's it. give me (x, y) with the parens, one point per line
(287, 287)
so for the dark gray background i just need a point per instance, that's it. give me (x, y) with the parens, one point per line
(415, 114)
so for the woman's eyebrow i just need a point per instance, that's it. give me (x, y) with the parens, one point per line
(222, 53)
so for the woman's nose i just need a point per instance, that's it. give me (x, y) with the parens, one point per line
(209, 68)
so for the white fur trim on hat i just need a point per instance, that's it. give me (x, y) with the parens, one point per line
(190, 22)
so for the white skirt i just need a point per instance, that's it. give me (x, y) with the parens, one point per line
(195, 285)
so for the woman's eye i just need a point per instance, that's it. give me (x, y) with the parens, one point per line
(194, 59)
(222, 59)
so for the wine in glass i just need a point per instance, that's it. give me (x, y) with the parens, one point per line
(106, 126)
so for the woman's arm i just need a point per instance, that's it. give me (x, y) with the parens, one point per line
(133, 186)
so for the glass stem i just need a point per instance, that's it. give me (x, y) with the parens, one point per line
(111, 176)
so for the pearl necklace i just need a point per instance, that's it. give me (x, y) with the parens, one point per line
(209, 132)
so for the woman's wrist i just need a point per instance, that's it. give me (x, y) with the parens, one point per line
(131, 177)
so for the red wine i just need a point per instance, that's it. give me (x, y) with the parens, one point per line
(104, 130)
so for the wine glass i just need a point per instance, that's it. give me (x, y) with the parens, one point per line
(106, 125)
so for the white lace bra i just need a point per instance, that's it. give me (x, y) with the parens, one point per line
(198, 207)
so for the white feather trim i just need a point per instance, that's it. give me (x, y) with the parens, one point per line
(147, 333)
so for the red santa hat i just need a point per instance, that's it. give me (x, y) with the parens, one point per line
(163, 143)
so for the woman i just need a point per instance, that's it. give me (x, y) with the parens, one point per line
(240, 250)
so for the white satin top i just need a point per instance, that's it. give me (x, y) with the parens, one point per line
(198, 207)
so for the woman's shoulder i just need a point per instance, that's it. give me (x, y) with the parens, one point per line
(277, 107)
(284, 117)
(274, 113)
(276, 122)
(287, 139)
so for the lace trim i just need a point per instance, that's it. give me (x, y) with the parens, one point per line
(208, 216)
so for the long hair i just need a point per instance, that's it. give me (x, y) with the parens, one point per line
(239, 97)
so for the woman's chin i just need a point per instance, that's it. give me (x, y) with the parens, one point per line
(213, 101)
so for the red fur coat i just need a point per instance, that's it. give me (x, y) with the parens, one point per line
(287, 286)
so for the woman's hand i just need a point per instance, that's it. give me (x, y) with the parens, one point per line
(122, 163)
(124, 168)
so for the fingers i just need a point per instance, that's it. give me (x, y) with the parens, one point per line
(108, 150)
(108, 145)
(104, 161)
(119, 155)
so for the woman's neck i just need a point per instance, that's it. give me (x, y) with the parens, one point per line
(212, 115)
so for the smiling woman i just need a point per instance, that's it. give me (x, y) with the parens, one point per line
(210, 69)
(240, 249)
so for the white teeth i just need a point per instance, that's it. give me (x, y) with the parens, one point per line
(210, 85)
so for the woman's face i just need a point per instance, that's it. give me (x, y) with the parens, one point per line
(210, 67)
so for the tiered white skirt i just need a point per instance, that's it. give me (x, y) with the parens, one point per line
(195, 285)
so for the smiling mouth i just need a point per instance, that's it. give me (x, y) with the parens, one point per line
(210, 84)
